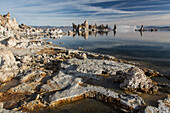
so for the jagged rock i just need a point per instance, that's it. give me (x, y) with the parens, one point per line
(135, 79)
(6, 58)
(9, 27)
(163, 107)
(10, 42)
(8, 65)
(21, 45)
(1, 30)
(26, 59)
(76, 89)
(72, 52)
(151, 109)
(81, 56)
(85, 27)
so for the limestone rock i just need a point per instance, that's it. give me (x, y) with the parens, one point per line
(135, 79)
(10, 42)
(6, 58)
(26, 59)
(81, 56)
(33, 105)
(163, 107)
(33, 77)
(9, 111)
(25, 88)
(58, 82)
(92, 67)
(77, 90)
(21, 45)
(8, 65)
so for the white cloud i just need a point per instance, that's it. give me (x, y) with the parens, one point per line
(32, 12)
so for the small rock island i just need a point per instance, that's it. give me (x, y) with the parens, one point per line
(86, 27)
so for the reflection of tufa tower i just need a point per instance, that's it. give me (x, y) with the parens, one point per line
(86, 35)
(141, 29)
(115, 28)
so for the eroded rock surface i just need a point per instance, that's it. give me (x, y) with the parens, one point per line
(93, 67)
(134, 79)
(163, 107)
(78, 90)
(8, 65)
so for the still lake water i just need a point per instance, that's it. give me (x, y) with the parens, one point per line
(149, 49)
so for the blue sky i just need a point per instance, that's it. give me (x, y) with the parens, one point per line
(64, 12)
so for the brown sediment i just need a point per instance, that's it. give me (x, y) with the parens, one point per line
(7, 85)
(10, 100)
(152, 99)
(33, 106)
(50, 51)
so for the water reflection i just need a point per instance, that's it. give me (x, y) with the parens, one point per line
(152, 49)
(90, 33)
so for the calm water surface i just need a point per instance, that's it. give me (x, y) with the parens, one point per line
(151, 49)
(83, 106)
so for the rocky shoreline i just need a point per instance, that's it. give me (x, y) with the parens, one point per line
(37, 75)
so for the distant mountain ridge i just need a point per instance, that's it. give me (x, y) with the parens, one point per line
(52, 26)
(157, 27)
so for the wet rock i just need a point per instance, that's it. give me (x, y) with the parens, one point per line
(11, 100)
(72, 52)
(163, 107)
(92, 54)
(135, 79)
(70, 32)
(109, 57)
(81, 56)
(78, 91)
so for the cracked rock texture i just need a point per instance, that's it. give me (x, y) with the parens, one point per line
(163, 107)
(134, 79)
